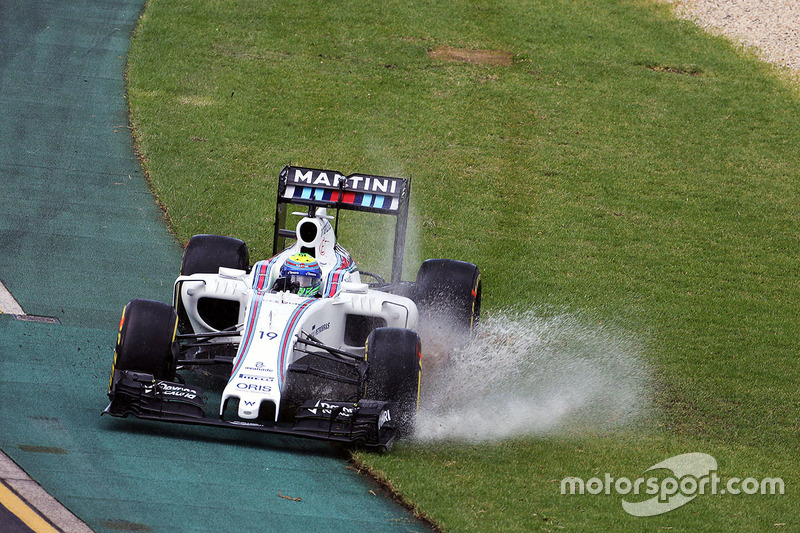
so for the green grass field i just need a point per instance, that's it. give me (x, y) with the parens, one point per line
(606, 162)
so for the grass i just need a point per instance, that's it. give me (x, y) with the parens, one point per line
(623, 166)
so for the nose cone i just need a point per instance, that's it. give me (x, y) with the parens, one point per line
(256, 401)
(248, 410)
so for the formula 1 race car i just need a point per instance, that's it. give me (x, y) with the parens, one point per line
(306, 346)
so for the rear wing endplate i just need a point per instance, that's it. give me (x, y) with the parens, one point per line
(316, 188)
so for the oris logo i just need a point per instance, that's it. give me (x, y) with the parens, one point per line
(252, 387)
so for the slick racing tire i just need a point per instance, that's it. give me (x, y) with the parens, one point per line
(146, 339)
(205, 254)
(394, 371)
(451, 290)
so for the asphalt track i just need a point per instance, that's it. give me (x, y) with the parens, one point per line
(80, 235)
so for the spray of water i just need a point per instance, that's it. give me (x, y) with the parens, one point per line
(530, 373)
(534, 372)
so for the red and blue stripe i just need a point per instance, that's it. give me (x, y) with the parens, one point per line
(374, 201)
(344, 266)
(249, 333)
(262, 274)
(287, 338)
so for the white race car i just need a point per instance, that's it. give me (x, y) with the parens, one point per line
(308, 348)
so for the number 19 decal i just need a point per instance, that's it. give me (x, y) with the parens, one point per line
(270, 335)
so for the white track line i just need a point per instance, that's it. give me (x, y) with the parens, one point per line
(8, 304)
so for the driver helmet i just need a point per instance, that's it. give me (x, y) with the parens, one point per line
(301, 275)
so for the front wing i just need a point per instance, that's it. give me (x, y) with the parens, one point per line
(367, 423)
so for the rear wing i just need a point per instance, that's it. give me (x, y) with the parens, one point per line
(315, 188)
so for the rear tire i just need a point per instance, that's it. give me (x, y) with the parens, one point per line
(394, 356)
(146, 339)
(450, 290)
(204, 254)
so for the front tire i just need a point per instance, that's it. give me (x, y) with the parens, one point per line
(146, 339)
(394, 356)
